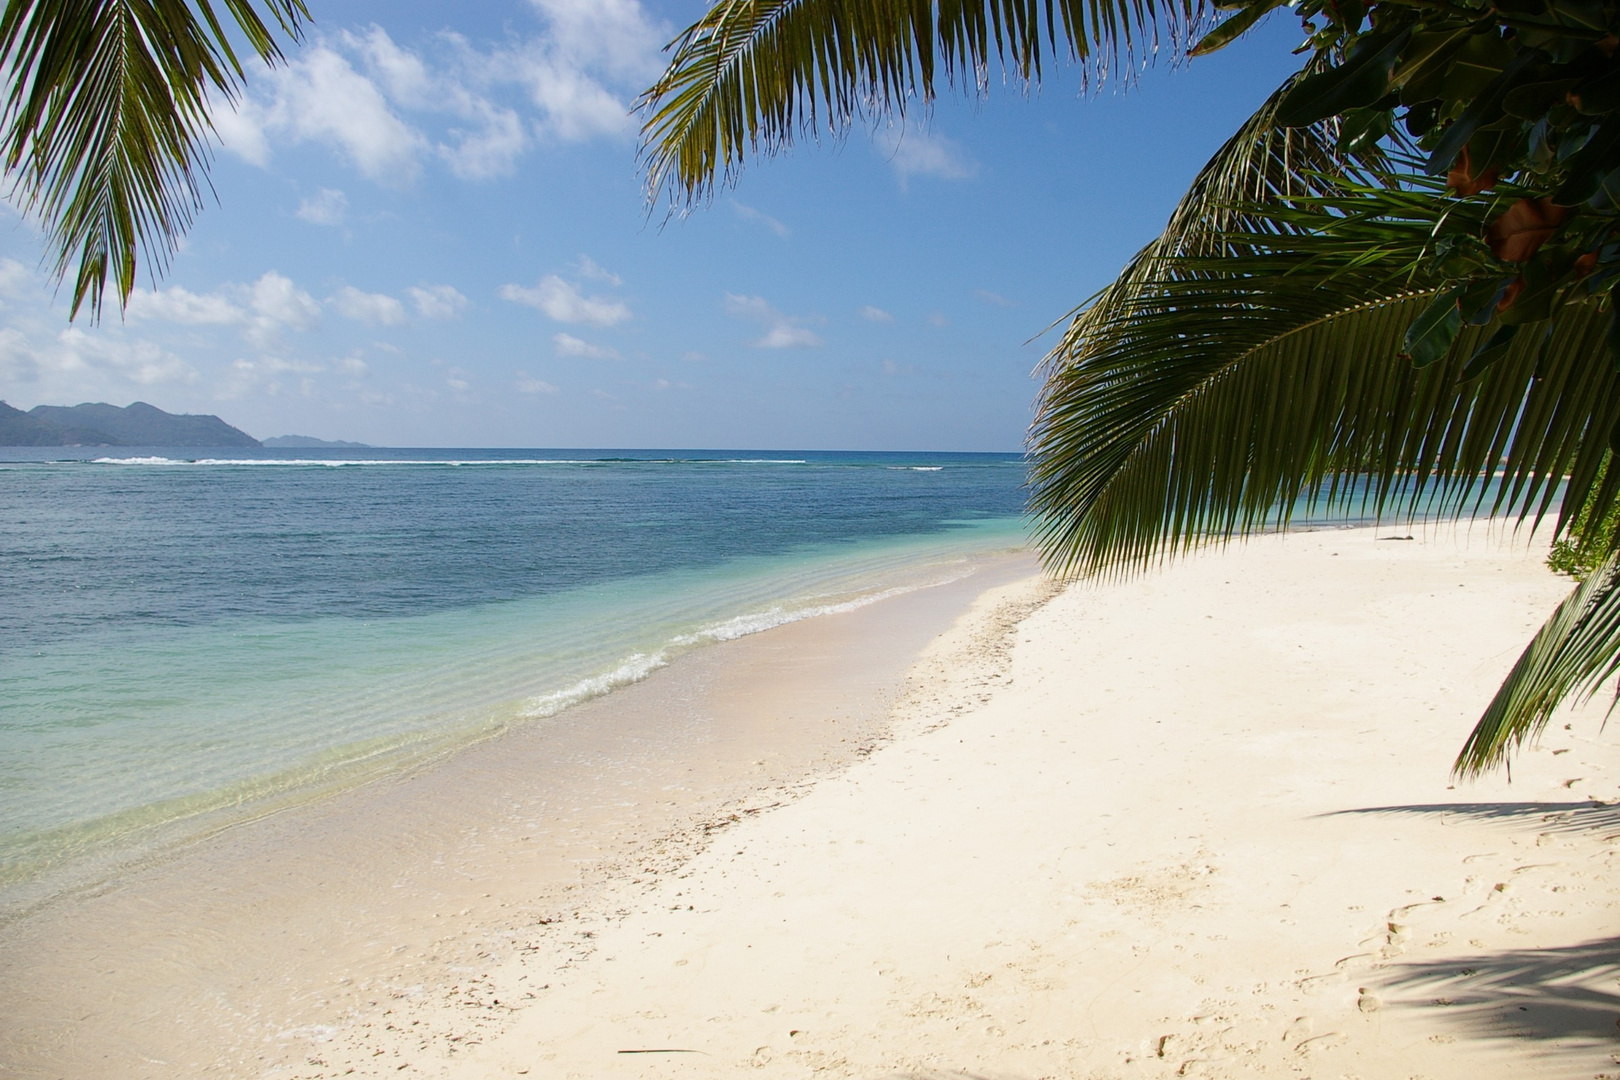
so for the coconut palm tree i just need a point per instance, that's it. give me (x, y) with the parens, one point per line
(106, 122)
(1387, 290)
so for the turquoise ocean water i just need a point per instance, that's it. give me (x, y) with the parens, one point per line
(189, 640)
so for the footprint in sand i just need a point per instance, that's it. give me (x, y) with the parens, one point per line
(1340, 974)
(1491, 899)
(1321, 1042)
(1316, 983)
(1402, 913)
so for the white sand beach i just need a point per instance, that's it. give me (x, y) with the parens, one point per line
(1199, 823)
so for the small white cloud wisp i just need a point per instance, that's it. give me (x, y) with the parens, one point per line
(563, 301)
(437, 301)
(373, 309)
(328, 206)
(569, 345)
(781, 331)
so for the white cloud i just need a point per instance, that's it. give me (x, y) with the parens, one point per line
(15, 280)
(438, 301)
(563, 302)
(178, 305)
(493, 136)
(781, 331)
(875, 314)
(403, 74)
(138, 361)
(569, 345)
(525, 384)
(277, 305)
(478, 110)
(264, 309)
(270, 376)
(994, 299)
(373, 309)
(353, 365)
(489, 150)
(923, 153)
(320, 97)
(613, 36)
(787, 336)
(759, 217)
(458, 380)
(326, 207)
(590, 268)
(77, 363)
(584, 71)
(239, 126)
(576, 106)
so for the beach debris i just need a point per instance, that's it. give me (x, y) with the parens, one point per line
(1367, 1003)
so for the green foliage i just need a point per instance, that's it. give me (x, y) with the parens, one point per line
(1213, 396)
(1573, 654)
(106, 121)
(1527, 92)
(1590, 537)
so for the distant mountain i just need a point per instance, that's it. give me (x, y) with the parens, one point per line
(107, 425)
(17, 428)
(309, 442)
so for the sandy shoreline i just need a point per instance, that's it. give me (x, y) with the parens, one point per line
(1202, 826)
(248, 952)
(1198, 823)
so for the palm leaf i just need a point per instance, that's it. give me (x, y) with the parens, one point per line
(1260, 168)
(1572, 655)
(106, 121)
(753, 74)
(1233, 391)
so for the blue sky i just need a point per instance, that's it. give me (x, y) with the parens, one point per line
(431, 232)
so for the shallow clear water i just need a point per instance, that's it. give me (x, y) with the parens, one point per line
(185, 639)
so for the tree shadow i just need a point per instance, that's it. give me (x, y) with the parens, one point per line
(1558, 817)
(1570, 994)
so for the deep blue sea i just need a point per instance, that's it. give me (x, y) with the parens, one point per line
(186, 637)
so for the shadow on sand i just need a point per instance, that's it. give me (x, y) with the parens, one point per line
(1558, 817)
(1571, 993)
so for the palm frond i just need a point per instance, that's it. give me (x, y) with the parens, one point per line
(1571, 656)
(751, 75)
(1261, 166)
(1233, 389)
(105, 124)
